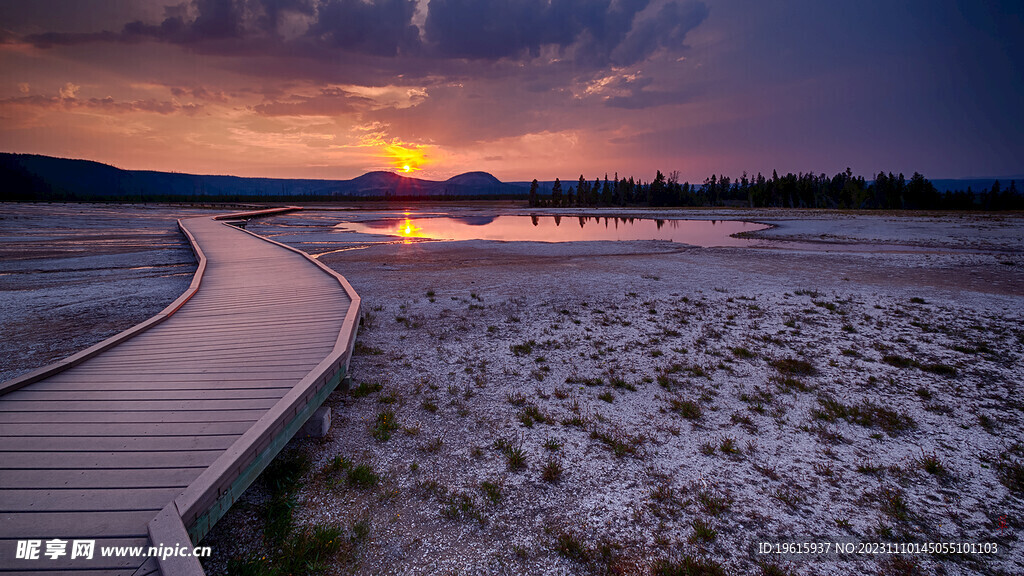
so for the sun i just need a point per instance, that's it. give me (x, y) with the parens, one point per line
(406, 159)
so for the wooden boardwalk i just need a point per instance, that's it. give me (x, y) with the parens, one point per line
(147, 438)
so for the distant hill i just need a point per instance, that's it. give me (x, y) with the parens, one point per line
(34, 177)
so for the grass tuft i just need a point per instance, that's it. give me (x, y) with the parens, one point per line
(551, 471)
(385, 425)
(365, 389)
(687, 566)
(794, 367)
(686, 408)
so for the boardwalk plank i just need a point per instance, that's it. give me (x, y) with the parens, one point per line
(77, 500)
(84, 417)
(105, 429)
(23, 525)
(110, 460)
(114, 443)
(197, 405)
(187, 394)
(99, 478)
(107, 385)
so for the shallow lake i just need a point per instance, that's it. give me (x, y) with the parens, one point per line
(556, 229)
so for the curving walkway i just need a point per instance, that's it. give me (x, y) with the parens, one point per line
(147, 438)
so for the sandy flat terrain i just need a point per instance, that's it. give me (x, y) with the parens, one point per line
(72, 275)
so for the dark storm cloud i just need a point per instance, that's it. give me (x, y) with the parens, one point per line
(591, 33)
(275, 10)
(250, 27)
(383, 28)
(667, 29)
(602, 31)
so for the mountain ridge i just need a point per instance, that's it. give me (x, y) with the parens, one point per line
(31, 176)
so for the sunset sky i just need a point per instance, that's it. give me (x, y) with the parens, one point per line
(519, 88)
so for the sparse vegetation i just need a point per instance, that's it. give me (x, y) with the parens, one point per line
(866, 414)
(385, 425)
(931, 464)
(365, 388)
(686, 408)
(551, 471)
(687, 565)
(794, 367)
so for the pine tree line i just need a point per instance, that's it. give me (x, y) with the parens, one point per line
(842, 191)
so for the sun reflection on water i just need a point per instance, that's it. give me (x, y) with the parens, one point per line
(408, 230)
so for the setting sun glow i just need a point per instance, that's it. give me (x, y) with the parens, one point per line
(407, 158)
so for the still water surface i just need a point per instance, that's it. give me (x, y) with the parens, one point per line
(558, 229)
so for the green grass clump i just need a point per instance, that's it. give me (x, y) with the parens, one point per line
(893, 503)
(306, 552)
(619, 443)
(553, 444)
(713, 503)
(385, 425)
(686, 408)
(729, 446)
(621, 384)
(570, 546)
(867, 414)
(310, 549)
(688, 565)
(282, 478)
(940, 369)
(360, 349)
(523, 349)
(931, 464)
(702, 531)
(355, 475)
(460, 505)
(365, 389)
(934, 368)
(794, 367)
(551, 471)
(742, 352)
(362, 476)
(492, 491)
(530, 414)
(514, 453)
(595, 381)
(899, 361)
